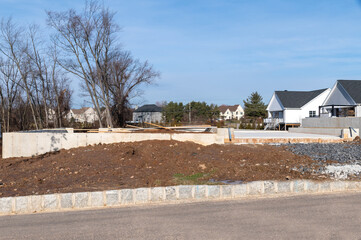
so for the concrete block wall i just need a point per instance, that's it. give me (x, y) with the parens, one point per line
(332, 122)
(170, 194)
(338, 132)
(28, 144)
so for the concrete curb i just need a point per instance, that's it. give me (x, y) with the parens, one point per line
(171, 194)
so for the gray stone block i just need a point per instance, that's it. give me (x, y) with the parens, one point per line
(338, 186)
(312, 186)
(96, 199)
(66, 200)
(81, 200)
(269, 187)
(284, 187)
(112, 197)
(255, 188)
(200, 191)
(226, 191)
(36, 203)
(126, 196)
(185, 192)
(214, 191)
(170, 193)
(6, 205)
(325, 186)
(21, 204)
(298, 186)
(141, 195)
(50, 202)
(240, 190)
(157, 194)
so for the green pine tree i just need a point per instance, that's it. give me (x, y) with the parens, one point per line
(254, 106)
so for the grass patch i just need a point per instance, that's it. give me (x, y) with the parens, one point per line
(197, 178)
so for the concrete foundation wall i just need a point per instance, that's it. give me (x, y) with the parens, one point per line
(31, 144)
(338, 132)
(334, 122)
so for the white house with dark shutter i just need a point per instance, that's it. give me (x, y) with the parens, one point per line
(287, 108)
(344, 100)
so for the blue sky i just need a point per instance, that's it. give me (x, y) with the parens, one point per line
(219, 51)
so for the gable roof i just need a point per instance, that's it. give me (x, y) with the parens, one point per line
(353, 88)
(149, 108)
(80, 111)
(297, 99)
(223, 108)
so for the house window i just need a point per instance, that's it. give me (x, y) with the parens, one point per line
(312, 114)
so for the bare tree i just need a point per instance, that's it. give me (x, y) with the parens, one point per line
(9, 90)
(86, 41)
(90, 51)
(127, 75)
(13, 46)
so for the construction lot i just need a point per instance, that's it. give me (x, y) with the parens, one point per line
(163, 163)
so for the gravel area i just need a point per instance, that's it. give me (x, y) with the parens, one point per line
(338, 160)
(340, 152)
(343, 171)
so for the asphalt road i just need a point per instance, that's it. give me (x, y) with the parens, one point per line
(303, 217)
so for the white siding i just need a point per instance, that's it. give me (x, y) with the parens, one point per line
(314, 104)
(338, 96)
(292, 115)
(152, 117)
(358, 111)
(275, 104)
(295, 115)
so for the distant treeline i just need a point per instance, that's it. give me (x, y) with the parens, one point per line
(193, 112)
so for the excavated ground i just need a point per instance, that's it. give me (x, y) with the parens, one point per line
(150, 164)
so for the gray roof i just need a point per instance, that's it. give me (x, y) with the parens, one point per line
(353, 88)
(149, 108)
(297, 99)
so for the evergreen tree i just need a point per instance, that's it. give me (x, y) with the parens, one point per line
(254, 106)
(173, 112)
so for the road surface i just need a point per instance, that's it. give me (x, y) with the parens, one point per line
(336, 216)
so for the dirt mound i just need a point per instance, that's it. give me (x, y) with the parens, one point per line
(147, 164)
(357, 140)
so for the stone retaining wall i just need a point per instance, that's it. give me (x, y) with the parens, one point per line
(172, 194)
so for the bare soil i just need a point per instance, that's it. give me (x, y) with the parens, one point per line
(147, 164)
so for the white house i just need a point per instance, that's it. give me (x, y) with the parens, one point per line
(148, 113)
(231, 112)
(344, 100)
(85, 114)
(287, 108)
